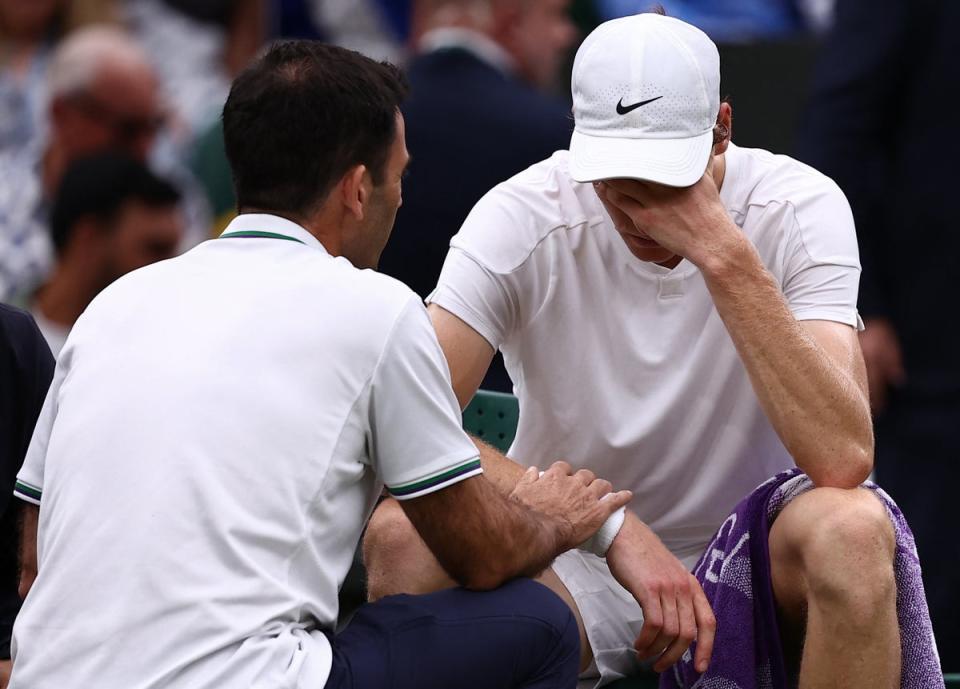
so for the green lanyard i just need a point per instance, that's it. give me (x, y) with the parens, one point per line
(253, 234)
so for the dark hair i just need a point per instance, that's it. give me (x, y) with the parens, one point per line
(301, 116)
(98, 186)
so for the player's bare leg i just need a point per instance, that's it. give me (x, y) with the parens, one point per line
(398, 561)
(832, 553)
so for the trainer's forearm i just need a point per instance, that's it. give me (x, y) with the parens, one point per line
(499, 469)
(819, 411)
(482, 537)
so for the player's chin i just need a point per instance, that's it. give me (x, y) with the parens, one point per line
(647, 250)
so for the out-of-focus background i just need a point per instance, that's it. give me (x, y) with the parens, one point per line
(111, 157)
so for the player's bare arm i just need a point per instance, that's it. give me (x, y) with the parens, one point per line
(809, 377)
(675, 609)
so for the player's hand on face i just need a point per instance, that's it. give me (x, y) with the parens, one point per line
(578, 501)
(675, 609)
(689, 221)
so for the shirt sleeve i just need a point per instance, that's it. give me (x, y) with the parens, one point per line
(29, 485)
(476, 295)
(417, 443)
(821, 262)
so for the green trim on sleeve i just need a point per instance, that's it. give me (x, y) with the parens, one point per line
(27, 490)
(431, 482)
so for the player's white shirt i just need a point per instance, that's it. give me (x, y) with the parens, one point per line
(625, 366)
(212, 444)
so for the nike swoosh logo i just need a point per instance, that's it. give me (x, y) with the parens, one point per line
(624, 109)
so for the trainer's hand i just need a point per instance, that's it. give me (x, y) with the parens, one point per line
(675, 609)
(579, 502)
(881, 354)
(6, 667)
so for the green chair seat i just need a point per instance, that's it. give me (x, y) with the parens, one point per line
(492, 417)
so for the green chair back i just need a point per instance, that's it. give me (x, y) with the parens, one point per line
(492, 417)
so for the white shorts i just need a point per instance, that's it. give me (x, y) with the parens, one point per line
(611, 615)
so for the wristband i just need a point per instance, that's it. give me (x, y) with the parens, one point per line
(600, 542)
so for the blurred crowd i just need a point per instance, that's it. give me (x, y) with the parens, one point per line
(111, 158)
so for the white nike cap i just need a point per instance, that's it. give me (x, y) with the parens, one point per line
(646, 93)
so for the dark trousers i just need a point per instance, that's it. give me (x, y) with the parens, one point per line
(518, 636)
(918, 463)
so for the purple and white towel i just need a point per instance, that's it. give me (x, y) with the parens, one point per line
(735, 575)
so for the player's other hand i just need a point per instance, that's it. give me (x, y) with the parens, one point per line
(881, 354)
(675, 609)
(578, 502)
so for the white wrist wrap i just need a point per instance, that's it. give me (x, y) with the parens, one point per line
(600, 542)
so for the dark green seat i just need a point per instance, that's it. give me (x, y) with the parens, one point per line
(492, 417)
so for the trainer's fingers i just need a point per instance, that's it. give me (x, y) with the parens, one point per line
(652, 624)
(706, 628)
(560, 467)
(585, 476)
(614, 501)
(529, 476)
(599, 488)
(688, 631)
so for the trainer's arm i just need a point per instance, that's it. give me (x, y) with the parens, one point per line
(29, 517)
(482, 537)
(808, 376)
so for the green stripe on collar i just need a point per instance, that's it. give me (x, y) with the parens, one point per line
(253, 234)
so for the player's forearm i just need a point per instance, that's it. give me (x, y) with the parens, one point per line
(818, 410)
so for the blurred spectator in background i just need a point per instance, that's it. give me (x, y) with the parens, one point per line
(376, 28)
(880, 122)
(103, 95)
(735, 21)
(28, 31)
(111, 215)
(476, 116)
(196, 48)
(26, 369)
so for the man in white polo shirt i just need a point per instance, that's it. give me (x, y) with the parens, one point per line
(221, 424)
(680, 314)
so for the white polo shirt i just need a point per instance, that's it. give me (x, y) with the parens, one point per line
(625, 367)
(219, 428)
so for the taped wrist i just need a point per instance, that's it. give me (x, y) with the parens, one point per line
(600, 542)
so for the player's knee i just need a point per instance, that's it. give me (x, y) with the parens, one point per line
(387, 545)
(846, 547)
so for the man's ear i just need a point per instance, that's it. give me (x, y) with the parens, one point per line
(354, 188)
(723, 129)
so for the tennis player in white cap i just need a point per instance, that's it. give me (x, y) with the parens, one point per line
(678, 315)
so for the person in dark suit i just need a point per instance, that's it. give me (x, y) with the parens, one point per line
(26, 369)
(477, 115)
(880, 122)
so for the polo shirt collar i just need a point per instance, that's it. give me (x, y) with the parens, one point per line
(251, 224)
